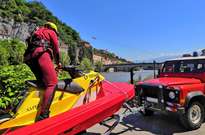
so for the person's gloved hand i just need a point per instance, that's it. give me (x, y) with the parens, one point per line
(59, 66)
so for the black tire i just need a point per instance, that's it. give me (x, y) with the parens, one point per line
(147, 112)
(193, 117)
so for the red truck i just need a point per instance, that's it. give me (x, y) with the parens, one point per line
(179, 88)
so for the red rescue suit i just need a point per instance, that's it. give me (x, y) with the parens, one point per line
(42, 66)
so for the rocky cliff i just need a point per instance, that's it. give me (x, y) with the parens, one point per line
(10, 29)
(19, 17)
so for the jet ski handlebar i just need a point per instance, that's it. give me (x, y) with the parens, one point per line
(72, 70)
(68, 68)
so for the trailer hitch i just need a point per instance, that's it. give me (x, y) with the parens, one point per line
(119, 117)
(130, 111)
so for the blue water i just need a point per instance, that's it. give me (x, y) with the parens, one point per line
(125, 76)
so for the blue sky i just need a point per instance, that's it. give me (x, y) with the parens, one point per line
(136, 29)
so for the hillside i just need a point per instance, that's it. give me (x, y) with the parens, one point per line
(19, 17)
(107, 57)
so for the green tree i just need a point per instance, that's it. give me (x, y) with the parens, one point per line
(65, 59)
(98, 66)
(3, 55)
(11, 52)
(16, 50)
(12, 81)
(86, 65)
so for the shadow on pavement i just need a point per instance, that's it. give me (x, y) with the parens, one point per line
(163, 124)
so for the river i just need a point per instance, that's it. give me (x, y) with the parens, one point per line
(125, 76)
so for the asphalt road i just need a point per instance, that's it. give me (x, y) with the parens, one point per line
(158, 124)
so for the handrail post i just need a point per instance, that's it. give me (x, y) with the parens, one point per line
(132, 75)
(154, 62)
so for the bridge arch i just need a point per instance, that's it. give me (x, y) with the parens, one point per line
(110, 69)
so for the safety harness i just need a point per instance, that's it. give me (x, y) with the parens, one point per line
(33, 42)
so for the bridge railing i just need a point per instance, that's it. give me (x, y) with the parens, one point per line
(128, 67)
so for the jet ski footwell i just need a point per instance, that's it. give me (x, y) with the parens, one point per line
(110, 100)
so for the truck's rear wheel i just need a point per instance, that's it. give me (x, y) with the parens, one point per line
(193, 117)
(147, 112)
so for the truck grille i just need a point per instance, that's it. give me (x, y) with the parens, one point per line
(151, 95)
(150, 91)
(156, 97)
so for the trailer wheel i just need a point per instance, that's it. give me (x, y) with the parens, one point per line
(193, 117)
(147, 112)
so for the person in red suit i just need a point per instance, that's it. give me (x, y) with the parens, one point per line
(42, 48)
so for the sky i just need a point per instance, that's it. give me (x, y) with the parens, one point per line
(136, 29)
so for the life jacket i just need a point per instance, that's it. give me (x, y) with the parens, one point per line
(33, 42)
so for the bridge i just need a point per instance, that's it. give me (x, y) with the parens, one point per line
(129, 66)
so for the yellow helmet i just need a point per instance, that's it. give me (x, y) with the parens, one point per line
(51, 25)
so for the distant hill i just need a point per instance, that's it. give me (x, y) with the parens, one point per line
(107, 57)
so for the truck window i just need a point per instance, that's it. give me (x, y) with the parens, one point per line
(169, 67)
(184, 66)
(187, 66)
(201, 66)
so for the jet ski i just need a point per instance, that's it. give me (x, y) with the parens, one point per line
(79, 103)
